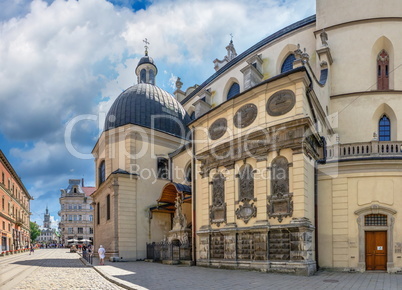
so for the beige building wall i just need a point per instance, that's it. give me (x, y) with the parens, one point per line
(368, 185)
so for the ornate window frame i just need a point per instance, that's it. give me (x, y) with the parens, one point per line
(389, 228)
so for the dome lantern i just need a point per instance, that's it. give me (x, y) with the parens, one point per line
(146, 70)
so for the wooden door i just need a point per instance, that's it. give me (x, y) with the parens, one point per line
(376, 251)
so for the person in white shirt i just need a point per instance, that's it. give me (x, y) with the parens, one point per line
(101, 253)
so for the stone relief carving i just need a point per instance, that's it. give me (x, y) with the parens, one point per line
(245, 116)
(217, 129)
(246, 182)
(280, 203)
(281, 103)
(217, 211)
(246, 211)
(179, 219)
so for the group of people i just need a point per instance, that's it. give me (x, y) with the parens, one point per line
(101, 252)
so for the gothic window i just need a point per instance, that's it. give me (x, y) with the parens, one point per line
(288, 63)
(143, 76)
(101, 172)
(383, 70)
(218, 189)
(151, 77)
(246, 182)
(384, 129)
(233, 91)
(163, 168)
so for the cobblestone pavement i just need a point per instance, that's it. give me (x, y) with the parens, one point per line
(144, 275)
(49, 269)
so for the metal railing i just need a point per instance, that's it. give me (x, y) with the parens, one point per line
(87, 256)
(174, 251)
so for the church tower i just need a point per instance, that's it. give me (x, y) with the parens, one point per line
(46, 221)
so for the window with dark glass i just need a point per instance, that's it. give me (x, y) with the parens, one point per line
(384, 129)
(383, 70)
(288, 63)
(108, 207)
(143, 76)
(233, 91)
(101, 172)
(188, 173)
(151, 77)
(246, 182)
(163, 168)
(98, 213)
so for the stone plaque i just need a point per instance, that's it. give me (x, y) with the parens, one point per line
(245, 116)
(218, 128)
(281, 102)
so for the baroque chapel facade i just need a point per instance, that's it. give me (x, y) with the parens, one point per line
(286, 159)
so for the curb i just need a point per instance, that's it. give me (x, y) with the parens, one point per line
(114, 280)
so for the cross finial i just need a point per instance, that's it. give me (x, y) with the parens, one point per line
(231, 37)
(146, 46)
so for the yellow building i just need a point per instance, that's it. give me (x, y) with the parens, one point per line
(293, 161)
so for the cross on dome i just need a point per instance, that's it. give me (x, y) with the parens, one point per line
(146, 45)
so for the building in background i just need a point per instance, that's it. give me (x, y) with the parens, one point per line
(48, 235)
(14, 209)
(76, 214)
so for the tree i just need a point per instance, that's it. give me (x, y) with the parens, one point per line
(35, 231)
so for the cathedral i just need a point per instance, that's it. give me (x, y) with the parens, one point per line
(286, 159)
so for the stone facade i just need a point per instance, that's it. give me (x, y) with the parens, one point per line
(14, 209)
(76, 214)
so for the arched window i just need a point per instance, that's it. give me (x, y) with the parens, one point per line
(151, 77)
(233, 91)
(288, 63)
(384, 129)
(383, 70)
(101, 172)
(246, 182)
(188, 173)
(163, 168)
(143, 76)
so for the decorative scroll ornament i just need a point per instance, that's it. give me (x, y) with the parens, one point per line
(246, 211)
(281, 103)
(245, 115)
(218, 129)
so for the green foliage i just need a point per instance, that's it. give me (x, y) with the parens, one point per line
(35, 231)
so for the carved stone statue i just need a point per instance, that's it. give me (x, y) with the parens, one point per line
(179, 220)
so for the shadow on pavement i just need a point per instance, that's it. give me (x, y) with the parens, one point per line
(61, 263)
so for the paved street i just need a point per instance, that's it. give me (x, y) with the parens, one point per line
(59, 269)
(144, 275)
(49, 269)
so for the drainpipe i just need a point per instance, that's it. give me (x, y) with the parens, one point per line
(316, 163)
(193, 199)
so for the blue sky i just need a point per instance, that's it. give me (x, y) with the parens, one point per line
(62, 60)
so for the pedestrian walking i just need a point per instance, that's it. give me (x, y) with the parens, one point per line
(32, 250)
(101, 253)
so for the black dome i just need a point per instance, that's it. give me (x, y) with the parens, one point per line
(148, 106)
(146, 59)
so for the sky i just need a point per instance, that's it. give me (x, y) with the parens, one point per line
(64, 62)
